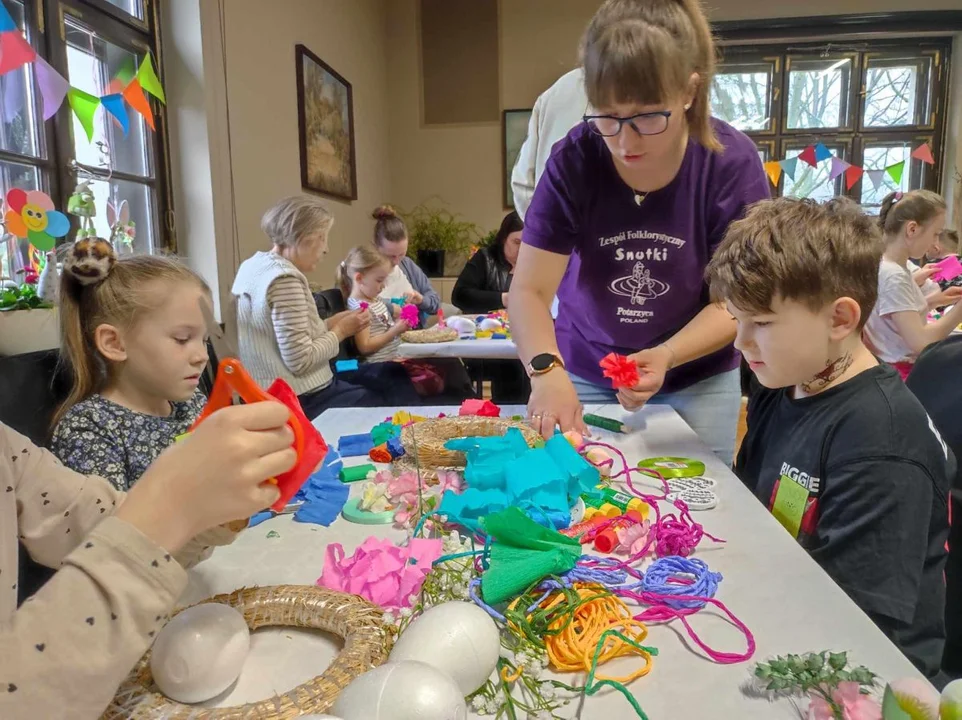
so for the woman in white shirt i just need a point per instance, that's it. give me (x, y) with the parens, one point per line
(897, 330)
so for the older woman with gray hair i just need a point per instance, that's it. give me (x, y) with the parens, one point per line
(281, 335)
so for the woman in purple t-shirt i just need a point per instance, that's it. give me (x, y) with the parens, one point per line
(631, 206)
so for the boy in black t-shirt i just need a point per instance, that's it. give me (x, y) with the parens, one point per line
(837, 448)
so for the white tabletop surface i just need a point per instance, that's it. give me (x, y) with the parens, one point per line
(485, 348)
(770, 583)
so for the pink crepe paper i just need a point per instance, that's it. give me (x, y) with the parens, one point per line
(380, 571)
(409, 313)
(949, 269)
(848, 696)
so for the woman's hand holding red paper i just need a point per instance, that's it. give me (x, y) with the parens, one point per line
(653, 365)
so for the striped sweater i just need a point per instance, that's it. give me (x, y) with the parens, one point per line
(279, 333)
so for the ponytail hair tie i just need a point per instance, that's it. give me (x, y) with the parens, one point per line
(898, 196)
(90, 260)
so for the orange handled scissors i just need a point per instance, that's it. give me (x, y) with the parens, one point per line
(232, 379)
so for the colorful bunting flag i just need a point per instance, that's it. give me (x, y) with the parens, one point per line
(53, 87)
(134, 95)
(774, 170)
(84, 106)
(114, 104)
(839, 166)
(808, 156)
(895, 172)
(822, 153)
(789, 166)
(852, 175)
(877, 177)
(149, 80)
(6, 20)
(15, 51)
(924, 153)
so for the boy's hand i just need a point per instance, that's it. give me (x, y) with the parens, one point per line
(216, 475)
(653, 365)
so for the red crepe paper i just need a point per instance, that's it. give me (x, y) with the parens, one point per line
(622, 372)
(314, 446)
(482, 408)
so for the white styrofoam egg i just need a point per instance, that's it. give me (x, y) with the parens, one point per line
(464, 325)
(200, 652)
(578, 511)
(490, 324)
(401, 691)
(458, 638)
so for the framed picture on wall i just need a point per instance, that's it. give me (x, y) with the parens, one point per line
(325, 119)
(514, 130)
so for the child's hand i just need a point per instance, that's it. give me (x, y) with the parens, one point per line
(353, 323)
(949, 296)
(216, 475)
(923, 274)
(414, 298)
(395, 311)
(401, 326)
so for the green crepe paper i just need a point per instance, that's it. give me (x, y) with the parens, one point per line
(356, 472)
(523, 552)
(384, 432)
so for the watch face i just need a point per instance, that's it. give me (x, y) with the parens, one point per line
(543, 362)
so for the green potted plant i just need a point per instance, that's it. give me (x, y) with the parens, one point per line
(28, 323)
(433, 231)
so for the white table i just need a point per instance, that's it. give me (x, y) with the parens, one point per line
(770, 583)
(484, 349)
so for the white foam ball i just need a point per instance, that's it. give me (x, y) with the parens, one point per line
(490, 324)
(457, 638)
(401, 691)
(200, 653)
(464, 326)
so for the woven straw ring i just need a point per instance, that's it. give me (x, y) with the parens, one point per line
(366, 645)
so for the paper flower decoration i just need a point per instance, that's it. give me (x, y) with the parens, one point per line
(30, 216)
(849, 699)
(622, 372)
(410, 314)
(380, 571)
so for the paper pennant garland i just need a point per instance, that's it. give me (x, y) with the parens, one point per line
(877, 177)
(789, 166)
(808, 156)
(852, 175)
(839, 166)
(84, 106)
(924, 153)
(6, 20)
(114, 104)
(895, 172)
(134, 95)
(15, 51)
(822, 153)
(149, 80)
(774, 170)
(53, 87)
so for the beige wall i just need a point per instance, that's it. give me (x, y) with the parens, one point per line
(463, 164)
(349, 35)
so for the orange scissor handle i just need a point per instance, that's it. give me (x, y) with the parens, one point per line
(233, 378)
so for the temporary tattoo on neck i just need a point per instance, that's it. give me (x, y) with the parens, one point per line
(832, 372)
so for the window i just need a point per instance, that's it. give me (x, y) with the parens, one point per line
(870, 103)
(97, 46)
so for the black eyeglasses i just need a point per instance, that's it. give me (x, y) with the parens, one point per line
(650, 123)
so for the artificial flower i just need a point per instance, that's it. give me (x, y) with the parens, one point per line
(622, 372)
(849, 698)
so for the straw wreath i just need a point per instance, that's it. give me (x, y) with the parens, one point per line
(366, 645)
(430, 335)
(424, 441)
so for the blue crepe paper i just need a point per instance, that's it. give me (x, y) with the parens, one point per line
(355, 445)
(324, 495)
(395, 447)
(583, 477)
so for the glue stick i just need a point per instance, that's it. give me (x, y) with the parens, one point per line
(607, 540)
(584, 526)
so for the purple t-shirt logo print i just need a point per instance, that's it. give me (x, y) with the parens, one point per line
(635, 273)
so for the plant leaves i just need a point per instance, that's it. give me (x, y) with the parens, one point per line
(838, 661)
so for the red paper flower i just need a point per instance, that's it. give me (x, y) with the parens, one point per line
(622, 372)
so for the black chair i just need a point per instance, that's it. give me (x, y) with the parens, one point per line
(32, 386)
(934, 382)
(330, 303)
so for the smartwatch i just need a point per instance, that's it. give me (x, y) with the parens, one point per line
(545, 362)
